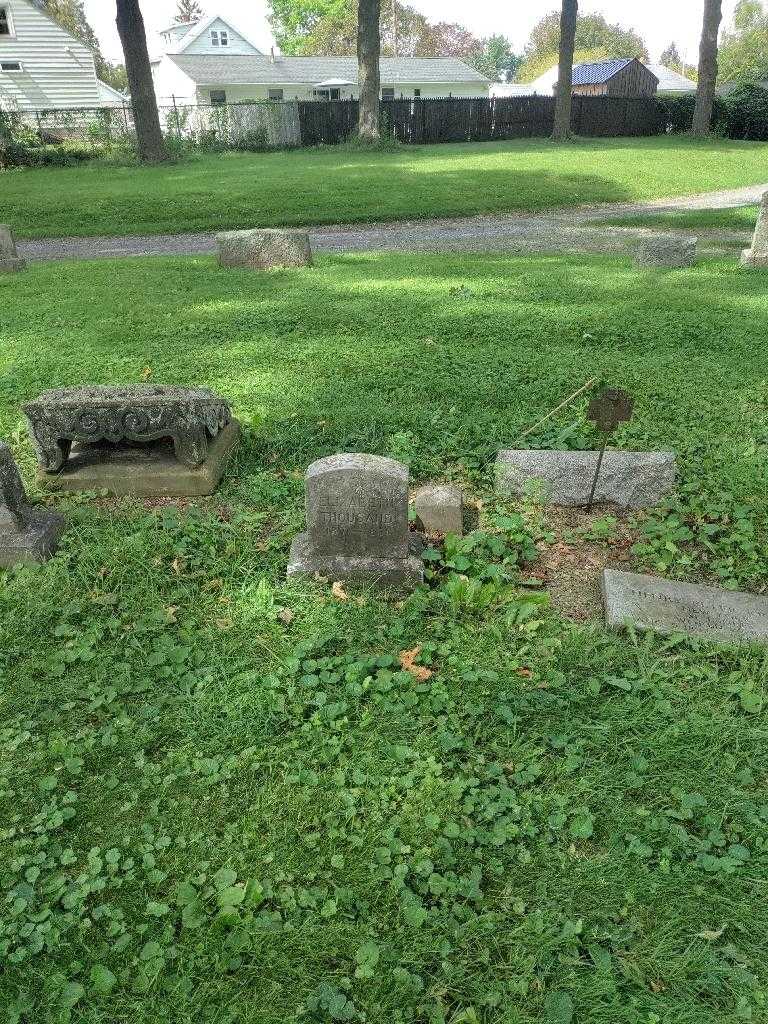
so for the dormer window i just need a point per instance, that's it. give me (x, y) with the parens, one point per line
(6, 29)
(219, 37)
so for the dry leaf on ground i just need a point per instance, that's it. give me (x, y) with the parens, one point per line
(407, 659)
(339, 592)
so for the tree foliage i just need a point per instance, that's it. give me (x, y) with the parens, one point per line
(594, 35)
(743, 56)
(70, 14)
(188, 12)
(325, 28)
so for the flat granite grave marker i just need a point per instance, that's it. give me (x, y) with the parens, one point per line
(667, 606)
(10, 261)
(357, 523)
(627, 479)
(27, 534)
(138, 439)
(264, 248)
(757, 254)
(669, 251)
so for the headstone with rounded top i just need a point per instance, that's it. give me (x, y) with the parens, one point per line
(27, 534)
(357, 523)
(757, 254)
(10, 261)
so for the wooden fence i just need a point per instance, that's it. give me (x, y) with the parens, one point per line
(480, 120)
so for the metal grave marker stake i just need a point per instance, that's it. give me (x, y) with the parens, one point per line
(610, 408)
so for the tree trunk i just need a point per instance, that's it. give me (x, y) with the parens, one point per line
(568, 16)
(368, 52)
(149, 137)
(705, 90)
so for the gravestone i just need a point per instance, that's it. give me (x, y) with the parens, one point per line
(627, 479)
(667, 606)
(264, 248)
(666, 251)
(439, 507)
(10, 261)
(357, 523)
(757, 255)
(138, 439)
(26, 534)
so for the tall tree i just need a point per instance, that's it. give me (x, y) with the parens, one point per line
(149, 136)
(563, 94)
(188, 12)
(368, 75)
(705, 90)
(743, 51)
(671, 57)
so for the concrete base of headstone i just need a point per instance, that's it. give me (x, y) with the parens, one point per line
(369, 569)
(142, 470)
(264, 248)
(36, 542)
(627, 479)
(11, 264)
(667, 606)
(439, 508)
(750, 258)
(662, 251)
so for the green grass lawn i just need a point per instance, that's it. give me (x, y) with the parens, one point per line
(221, 800)
(739, 218)
(336, 185)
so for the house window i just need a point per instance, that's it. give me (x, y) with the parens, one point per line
(417, 93)
(218, 96)
(275, 94)
(388, 94)
(214, 37)
(10, 65)
(219, 38)
(6, 28)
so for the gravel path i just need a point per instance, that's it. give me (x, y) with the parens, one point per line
(562, 230)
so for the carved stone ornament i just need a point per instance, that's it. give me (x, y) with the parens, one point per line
(134, 412)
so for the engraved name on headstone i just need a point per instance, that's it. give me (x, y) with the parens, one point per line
(357, 522)
(668, 606)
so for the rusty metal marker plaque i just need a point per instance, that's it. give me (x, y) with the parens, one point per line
(610, 408)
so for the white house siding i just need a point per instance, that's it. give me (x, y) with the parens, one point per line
(58, 71)
(238, 45)
(172, 84)
(242, 93)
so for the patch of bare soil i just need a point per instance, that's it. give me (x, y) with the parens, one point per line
(584, 543)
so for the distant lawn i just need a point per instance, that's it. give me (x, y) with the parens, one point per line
(740, 218)
(333, 185)
(221, 799)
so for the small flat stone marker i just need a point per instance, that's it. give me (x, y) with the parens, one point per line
(666, 251)
(667, 606)
(440, 509)
(10, 261)
(757, 254)
(27, 534)
(264, 248)
(627, 479)
(357, 523)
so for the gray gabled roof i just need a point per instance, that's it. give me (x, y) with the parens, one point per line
(231, 70)
(670, 80)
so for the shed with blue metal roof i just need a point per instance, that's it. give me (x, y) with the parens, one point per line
(624, 76)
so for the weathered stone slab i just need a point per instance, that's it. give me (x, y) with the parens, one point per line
(264, 248)
(666, 251)
(666, 606)
(627, 479)
(357, 522)
(439, 507)
(133, 412)
(757, 254)
(142, 470)
(10, 261)
(26, 534)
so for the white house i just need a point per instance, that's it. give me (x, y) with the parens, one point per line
(212, 62)
(42, 66)
(669, 82)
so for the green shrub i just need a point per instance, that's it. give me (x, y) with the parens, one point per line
(746, 110)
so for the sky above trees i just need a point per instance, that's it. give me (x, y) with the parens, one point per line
(659, 22)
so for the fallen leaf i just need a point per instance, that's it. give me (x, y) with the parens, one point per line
(170, 612)
(146, 373)
(525, 673)
(286, 615)
(407, 659)
(658, 986)
(710, 936)
(339, 592)
(176, 566)
(223, 623)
